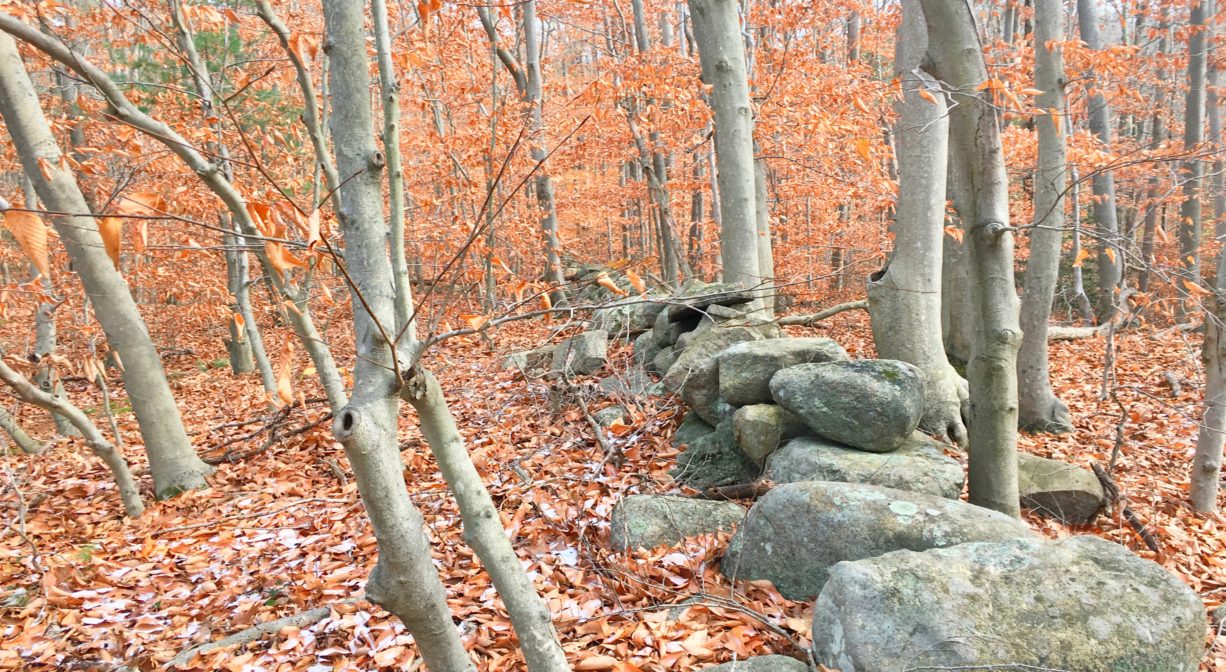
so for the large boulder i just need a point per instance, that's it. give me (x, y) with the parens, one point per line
(648, 521)
(1059, 490)
(714, 460)
(705, 348)
(530, 360)
(627, 317)
(693, 301)
(700, 392)
(796, 532)
(761, 664)
(746, 369)
(1080, 604)
(664, 360)
(581, 354)
(761, 428)
(870, 404)
(919, 465)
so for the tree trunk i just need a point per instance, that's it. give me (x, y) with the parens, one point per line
(762, 220)
(957, 316)
(1190, 216)
(1038, 408)
(1110, 259)
(981, 196)
(544, 183)
(173, 463)
(26, 443)
(905, 297)
(129, 494)
(717, 31)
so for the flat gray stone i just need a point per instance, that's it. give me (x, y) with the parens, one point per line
(648, 521)
(1059, 490)
(746, 369)
(919, 465)
(581, 354)
(796, 532)
(1080, 604)
(691, 429)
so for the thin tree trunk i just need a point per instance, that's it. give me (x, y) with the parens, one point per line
(1190, 216)
(762, 221)
(722, 54)
(129, 494)
(173, 463)
(905, 297)
(1110, 258)
(981, 195)
(544, 183)
(1038, 407)
(47, 375)
(28, 444)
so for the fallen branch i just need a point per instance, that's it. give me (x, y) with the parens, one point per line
(255, 632)
(1057, 333)
(809, 320)
(1116, 499)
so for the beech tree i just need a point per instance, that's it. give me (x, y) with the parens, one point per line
(172, 461)
(981, 196)
(1038, 407)
(904, 298)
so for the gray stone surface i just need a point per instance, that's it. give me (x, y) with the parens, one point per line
(608, 415)
(700, 392)
(1059, 490)
(761, 428)
(1080, 604)
(666, 333)
(692, 303)
(664, 360)
(530, 360)
(919, 465)
(796, 532)
(581, 354)
(645, 349)
(746, 369)
(870, 404)
(634, 382)
(648, 521)
(714, 460)
(706, 347)
(761, 664)
(627, 317)
(691, 429)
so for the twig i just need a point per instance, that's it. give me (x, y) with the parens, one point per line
(255, 632)
(260, 514)
(1115, 498)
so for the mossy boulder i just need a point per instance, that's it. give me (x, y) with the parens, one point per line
(761, 428)
(1081, 604)
(746, 369)
(796, 532)
(648, 521)
(870, 404)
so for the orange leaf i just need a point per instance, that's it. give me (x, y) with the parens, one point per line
(954, 232)
(111, 229)
(596, 663)
(285, 389)
(143, 203)
(313, 237)
(1082, 255)
(926, 95)
(862, 149)
(1195, 288)
(44, 167)
(619, 428)
(31, 234)
(1033, 92)
(239, 322)
(1110, 252)
(859, 105)
(636, 282)
(604, 281)
(473, 320)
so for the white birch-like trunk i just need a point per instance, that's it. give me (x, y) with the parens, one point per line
(1038, 408)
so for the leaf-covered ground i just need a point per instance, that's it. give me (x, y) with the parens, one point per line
(281, 530)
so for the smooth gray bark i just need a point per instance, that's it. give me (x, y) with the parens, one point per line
(981, 195)
(129, 494)
(1193, 170)
(1038, 408)
(904, 298)
(26, 443)
(173, 463)
(721, 51)
(1110, 258)
(544, 183)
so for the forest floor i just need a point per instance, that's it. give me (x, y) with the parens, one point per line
(282, 530)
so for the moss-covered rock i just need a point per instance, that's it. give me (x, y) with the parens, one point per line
(1081, 604)
(714, 460)
(746, 369)
(870, 404)
(761, 428)
(795, 533)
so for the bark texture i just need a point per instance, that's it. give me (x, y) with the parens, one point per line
(173, 463)
(721, 51)
(904, 299)
(1038, 408)
(982, 198)
(1191, 222)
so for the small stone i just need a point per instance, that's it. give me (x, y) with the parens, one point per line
(582, 354)
(761, 428)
